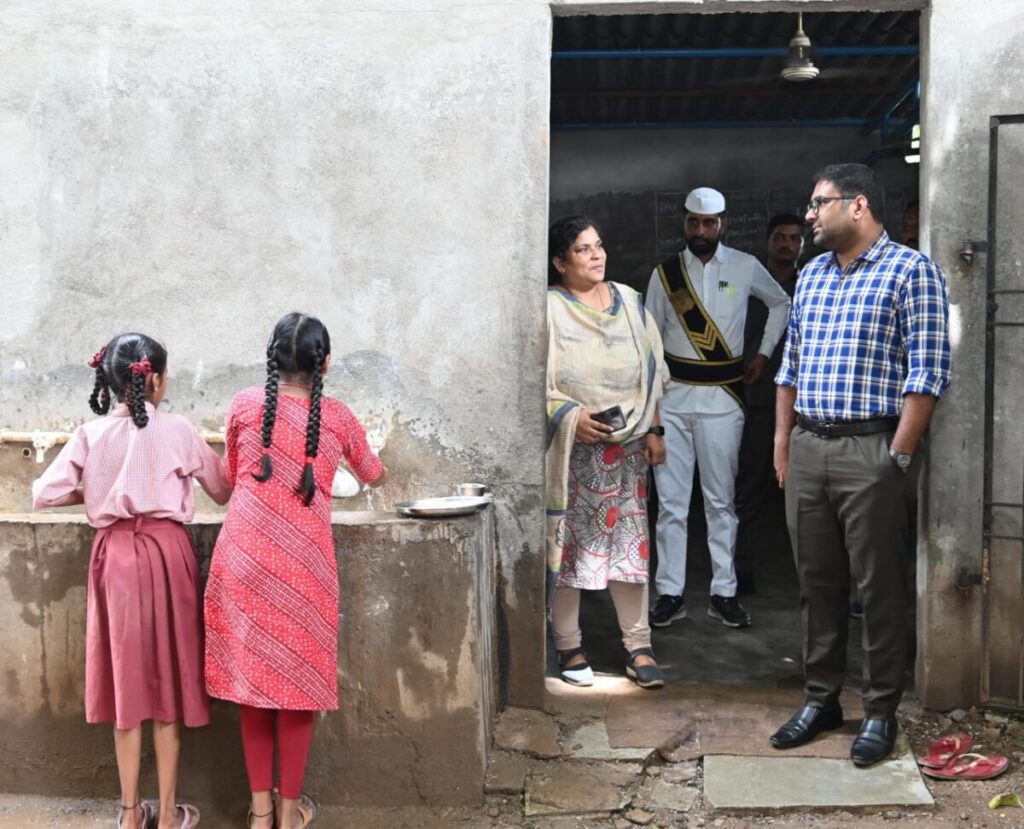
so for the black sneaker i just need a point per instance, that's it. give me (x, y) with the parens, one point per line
(729, 611)
(666, 610)
(856, 609)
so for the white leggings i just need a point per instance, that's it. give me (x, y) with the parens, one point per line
(630, 606)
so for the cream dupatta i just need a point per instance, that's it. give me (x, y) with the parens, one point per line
(578, 372)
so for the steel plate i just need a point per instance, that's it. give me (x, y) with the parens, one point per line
(443, 507)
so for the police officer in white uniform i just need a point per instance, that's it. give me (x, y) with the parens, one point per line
(699, 300)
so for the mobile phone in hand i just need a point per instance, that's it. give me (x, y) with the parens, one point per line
(611, 417)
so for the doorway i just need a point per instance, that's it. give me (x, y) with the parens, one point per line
(645, 107)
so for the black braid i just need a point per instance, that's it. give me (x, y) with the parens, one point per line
(307, 485)
(269, 414)
(99, 400)
(137, 400)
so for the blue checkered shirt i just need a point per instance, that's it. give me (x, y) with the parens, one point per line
(861, 339)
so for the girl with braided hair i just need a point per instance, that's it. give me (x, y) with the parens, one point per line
(134, 471)
(272, 595)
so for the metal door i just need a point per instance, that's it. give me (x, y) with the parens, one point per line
(1002, 575)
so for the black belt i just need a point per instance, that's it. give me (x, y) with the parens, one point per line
(846, 428)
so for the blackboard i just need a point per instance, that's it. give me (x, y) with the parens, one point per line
(644, 228)
(747, 214)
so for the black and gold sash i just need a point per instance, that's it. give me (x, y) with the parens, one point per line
(716, 365)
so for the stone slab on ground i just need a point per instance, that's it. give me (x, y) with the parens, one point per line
(523, 729)
(687, 721)
(589, 741)
(571, 789)
(506, 773)
(762, 783)
(615, 772)
(563, 698)
(658, 795)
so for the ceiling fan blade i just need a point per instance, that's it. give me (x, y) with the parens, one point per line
(853, 72)
(748, 80)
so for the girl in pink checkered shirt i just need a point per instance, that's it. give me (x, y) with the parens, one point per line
(134, 470)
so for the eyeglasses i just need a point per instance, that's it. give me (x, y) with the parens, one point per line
(814, 205)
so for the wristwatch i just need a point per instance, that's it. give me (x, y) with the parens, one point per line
(657, 430)
(900, 459)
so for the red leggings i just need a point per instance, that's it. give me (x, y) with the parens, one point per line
(294, 734)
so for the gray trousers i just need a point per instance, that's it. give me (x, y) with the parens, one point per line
(846, 508)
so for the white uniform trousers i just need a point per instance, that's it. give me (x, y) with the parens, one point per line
(713, 440)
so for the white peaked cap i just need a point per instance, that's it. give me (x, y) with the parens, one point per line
(705, 200)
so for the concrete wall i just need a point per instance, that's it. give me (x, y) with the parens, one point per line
(416, 666)
(961, 94)
(194, 170)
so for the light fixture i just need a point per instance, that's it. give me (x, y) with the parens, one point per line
(798, 66)
(914, 157)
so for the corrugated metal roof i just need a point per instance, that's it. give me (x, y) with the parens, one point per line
(664, 91)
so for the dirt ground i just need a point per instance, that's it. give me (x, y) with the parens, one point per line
(958, 804)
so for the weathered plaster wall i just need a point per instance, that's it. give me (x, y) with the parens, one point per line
(961, 94)
(195, 170)
(416, 668)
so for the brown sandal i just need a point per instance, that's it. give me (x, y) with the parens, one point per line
(251, 814)
(307, 809)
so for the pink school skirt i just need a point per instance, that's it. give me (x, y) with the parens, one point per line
(144, 647)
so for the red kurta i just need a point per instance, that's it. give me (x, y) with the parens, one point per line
(272, 595)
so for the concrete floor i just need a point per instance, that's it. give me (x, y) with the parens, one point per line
(700, 648)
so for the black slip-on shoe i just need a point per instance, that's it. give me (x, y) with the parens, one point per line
(806, 724)
(874, 741)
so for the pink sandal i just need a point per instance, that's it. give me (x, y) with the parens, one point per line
(945, 750)
(970, 767)
(147, 813)
(307, 809)
(190, 816)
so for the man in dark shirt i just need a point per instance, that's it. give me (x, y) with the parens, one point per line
(756, 479)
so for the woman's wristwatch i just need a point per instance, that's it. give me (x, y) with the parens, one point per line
(657, 430)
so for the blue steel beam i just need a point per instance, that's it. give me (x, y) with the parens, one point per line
(713, 125)
(881, 120)
(730, 52)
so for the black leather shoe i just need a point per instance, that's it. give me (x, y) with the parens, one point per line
(806, 724)
(874, 741)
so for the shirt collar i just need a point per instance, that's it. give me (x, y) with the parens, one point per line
(121, 409)
(872, 254)
(719, 255)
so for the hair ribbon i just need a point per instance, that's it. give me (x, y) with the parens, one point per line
(97, 358)
(143, 366)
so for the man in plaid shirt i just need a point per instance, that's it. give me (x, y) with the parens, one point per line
(865, 362)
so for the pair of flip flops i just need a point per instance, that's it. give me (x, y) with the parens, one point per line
(306, 806)
(948, 758)
(150, 813)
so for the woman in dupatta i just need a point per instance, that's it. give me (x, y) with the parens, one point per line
(604, 351)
